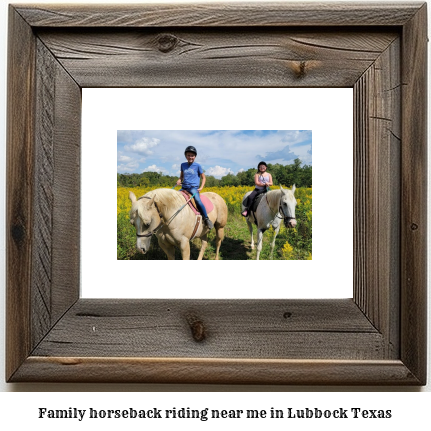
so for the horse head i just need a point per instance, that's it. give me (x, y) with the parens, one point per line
(287, 206)
(145, 217)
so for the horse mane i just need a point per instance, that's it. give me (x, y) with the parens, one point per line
(165, 199)
(273, 197)
(165, 196)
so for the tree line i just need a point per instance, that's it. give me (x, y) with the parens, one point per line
(287, 175)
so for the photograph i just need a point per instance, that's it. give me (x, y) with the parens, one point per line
(300, 144)
(219, 120)
(214, 194)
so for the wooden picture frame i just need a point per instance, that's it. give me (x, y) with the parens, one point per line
(376, 338)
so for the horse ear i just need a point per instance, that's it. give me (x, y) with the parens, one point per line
(281, 188)
(293, 189)
(132, 197)
(153, 199)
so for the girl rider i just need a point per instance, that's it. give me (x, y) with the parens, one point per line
(191, 172)
(262, 180)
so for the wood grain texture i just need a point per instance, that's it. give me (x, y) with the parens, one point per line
(66, 188)
(216, 58)
(215, 371)
(57, 190)
(378, 337)
(44, 195)
(19, 197)
(377, 101)
(219, 15)
(413, 193)
(234, 329)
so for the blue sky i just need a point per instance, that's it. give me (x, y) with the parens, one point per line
(219, 151)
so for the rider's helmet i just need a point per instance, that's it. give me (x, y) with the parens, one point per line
(191, 149)
(261, 163)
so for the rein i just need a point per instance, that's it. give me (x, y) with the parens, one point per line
(154, 231)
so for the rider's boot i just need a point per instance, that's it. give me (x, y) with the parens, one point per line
(209, 223)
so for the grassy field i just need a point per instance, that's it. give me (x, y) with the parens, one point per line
(291, 244)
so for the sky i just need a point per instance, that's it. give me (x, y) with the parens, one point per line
(220, 152)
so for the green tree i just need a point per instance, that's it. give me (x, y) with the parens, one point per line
(230, 180)
(211, 181)
(246, 178)
(287, 175)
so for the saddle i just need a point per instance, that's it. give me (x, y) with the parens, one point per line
(192, 204)
(253, 207)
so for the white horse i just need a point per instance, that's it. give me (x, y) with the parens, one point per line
(154, 214)
(277, 205)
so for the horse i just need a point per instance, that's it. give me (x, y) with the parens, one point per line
(277, 205)
(154, 214)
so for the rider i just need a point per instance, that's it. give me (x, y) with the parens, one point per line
(262, 180)
(191, 172)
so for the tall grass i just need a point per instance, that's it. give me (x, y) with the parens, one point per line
(291, 244)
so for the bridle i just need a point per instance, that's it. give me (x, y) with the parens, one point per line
(286, 218)
(154, 231)
(146, 235)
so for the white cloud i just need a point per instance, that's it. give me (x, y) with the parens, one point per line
(154, 168)
(127, 167)
(220, 152)
(124, 159)
(175, 169)
(218, 171)
(143, 146)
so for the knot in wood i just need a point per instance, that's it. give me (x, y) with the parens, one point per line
(167, 42)
(414, 226)
(18, 233)
(300, 69)
(197, 328)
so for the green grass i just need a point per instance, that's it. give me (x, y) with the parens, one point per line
(235, 246)
(294, 244)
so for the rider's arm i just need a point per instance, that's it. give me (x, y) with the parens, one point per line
(203, 182)
(269, 183)
(257, 182)
(180, 179)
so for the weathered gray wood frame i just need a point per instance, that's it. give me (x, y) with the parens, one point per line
(378, 337)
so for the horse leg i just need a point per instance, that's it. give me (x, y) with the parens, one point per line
(219, 239)
(250, 228)
(259, 242)
(169, 249)
(204, 244)
(185, 248)
(276, 229)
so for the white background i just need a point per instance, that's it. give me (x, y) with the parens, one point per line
(20, 408)
(327, 112)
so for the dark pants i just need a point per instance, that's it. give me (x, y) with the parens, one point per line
(251, 196)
